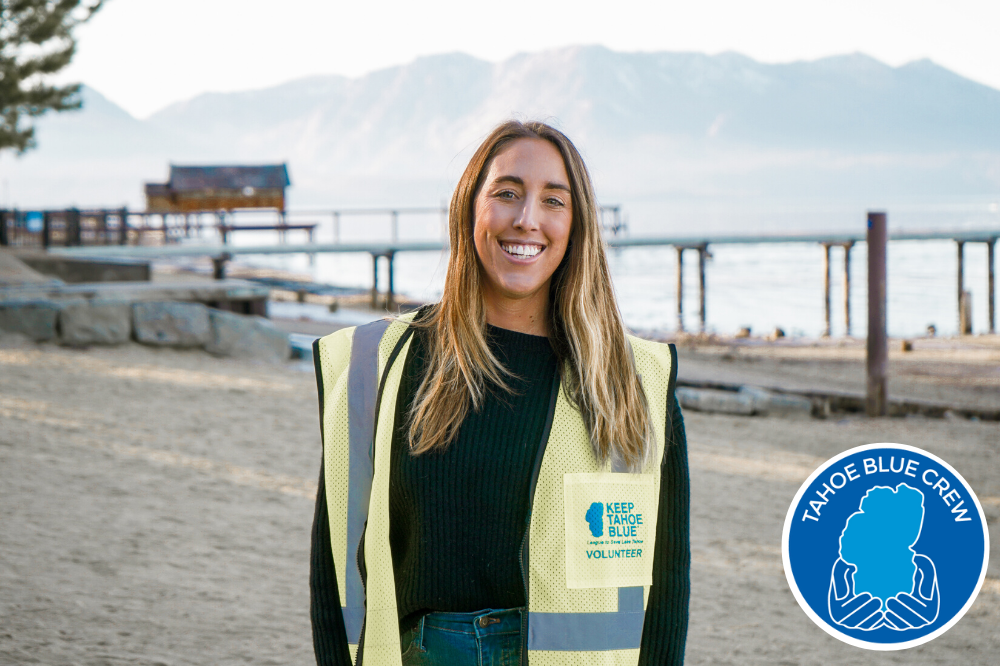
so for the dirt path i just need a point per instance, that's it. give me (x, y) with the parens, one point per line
(155, 509)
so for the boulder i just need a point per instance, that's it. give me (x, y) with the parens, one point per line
(35, 319)
(246, 336)
(171, 324)
(95, 323)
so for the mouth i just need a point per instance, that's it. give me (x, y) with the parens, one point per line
(522, 250)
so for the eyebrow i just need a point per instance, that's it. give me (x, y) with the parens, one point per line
(516, 180)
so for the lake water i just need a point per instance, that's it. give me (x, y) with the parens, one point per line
(758, 286)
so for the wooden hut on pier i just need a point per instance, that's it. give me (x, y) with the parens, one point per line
(194, 189)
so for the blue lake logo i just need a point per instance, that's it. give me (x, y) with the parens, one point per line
(595, 516)
(885, 546)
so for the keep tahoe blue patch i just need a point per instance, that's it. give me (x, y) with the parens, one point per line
(885, 546)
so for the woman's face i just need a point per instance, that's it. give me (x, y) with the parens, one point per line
(523, 214)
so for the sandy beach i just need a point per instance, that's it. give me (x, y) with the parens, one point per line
(155, 505)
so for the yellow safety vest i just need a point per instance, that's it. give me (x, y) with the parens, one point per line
(588, 552)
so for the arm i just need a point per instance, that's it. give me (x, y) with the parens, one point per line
(329, 635)
(665, 630)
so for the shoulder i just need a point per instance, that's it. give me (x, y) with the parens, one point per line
(661, 354)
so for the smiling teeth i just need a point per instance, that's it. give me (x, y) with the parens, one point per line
(522, 250)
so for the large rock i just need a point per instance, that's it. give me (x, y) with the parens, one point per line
(171, 324)
(35, 319)
(95, 323)
(247, 336)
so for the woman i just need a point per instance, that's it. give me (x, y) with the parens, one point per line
(505, 474)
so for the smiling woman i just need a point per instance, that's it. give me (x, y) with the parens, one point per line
(524, 211)
(478, 454)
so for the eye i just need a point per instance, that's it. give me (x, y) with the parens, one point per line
(506, 194)
(555, 201)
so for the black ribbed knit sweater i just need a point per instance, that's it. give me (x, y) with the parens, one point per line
(457, 517)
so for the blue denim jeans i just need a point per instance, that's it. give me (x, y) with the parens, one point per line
(483, 638)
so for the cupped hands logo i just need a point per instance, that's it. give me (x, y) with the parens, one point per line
(885, 546)
(879, 580)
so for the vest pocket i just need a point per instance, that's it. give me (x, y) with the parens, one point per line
(610, 529)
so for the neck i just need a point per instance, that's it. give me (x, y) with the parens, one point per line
(524, 315)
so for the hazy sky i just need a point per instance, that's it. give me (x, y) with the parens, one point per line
(144, 54)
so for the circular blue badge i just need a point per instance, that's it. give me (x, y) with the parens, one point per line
(885, 546)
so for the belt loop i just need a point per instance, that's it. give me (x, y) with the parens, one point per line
(420, 634)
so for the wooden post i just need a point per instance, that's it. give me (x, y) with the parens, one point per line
(374, 281)
(877, 355)
(847, 288)
(702, 251)
(826, 290)
(390, 299)
(680, 288)
(3, 228)
(961, 286)
(966, 309)
(991, 312)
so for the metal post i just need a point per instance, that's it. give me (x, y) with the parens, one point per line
(702, 251)
(680, 288)
(847, 288)
(336, 226)
(395, 226)
(390, 299)
(961, 286)
(47, 229)
(877, 348)
(374, 281)
(123, 226)
(990, 252)
(3, 228)
(826, 290)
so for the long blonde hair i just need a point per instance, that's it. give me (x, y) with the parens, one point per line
(586, 330)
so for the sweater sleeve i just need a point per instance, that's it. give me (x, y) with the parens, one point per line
(665, 628)
(329, 635)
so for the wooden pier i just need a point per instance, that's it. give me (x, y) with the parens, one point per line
(123, 233)
(387, 250)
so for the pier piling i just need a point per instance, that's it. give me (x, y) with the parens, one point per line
(702, 252)
(991, 313)
(826, 290)
(877, 350)
(680, 288)
(847, 288)
(374, 281)
(962, 316)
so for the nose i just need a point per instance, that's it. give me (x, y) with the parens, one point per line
(528, 219)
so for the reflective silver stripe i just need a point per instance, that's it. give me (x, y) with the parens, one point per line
(362, 390)
(590, 632)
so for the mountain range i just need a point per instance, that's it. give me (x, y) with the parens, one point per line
(693, 129)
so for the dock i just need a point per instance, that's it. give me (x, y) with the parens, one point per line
(386, 251)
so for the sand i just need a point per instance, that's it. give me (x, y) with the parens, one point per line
(155, 508)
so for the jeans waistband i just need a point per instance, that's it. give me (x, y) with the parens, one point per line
(478, 623)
